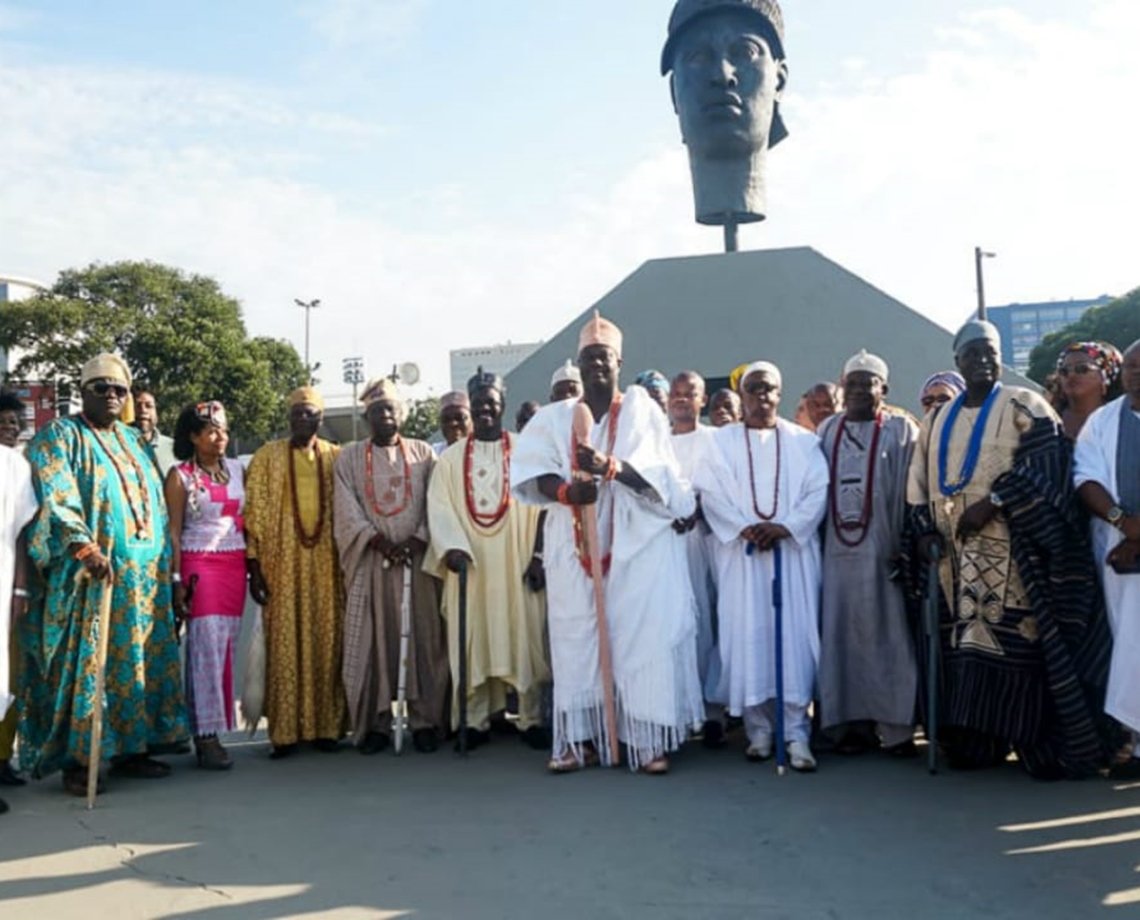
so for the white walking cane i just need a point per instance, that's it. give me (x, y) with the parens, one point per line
(401, 720)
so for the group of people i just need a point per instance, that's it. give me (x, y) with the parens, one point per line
(615, 547)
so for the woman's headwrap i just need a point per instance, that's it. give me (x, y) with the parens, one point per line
(951, 379)
(1105, 356)
(653, 381)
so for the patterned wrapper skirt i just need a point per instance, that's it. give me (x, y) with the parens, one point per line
(211, 637)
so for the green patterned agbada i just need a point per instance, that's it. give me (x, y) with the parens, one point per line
(99, 487)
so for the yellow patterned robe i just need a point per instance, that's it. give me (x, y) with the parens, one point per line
(304, 619)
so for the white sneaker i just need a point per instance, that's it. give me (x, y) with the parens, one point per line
(800, 756)
(759, 750)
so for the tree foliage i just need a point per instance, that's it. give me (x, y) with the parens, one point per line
(423, 419)
(180, 334)
(1117, 322)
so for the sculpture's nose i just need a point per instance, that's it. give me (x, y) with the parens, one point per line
(724, 73)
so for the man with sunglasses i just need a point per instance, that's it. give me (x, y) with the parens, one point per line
(1025, 641)
(160, 446)
(102, 527)
(1106, 471)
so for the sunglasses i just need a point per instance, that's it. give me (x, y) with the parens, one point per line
(1079, 369)
(102, 389)
(936, 400)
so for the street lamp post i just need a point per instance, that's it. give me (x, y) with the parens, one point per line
(308, 307)
(354, 374)
(980, 254)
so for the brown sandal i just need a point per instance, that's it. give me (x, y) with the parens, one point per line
(658, 766)
(210, 753)
(569, 762)
(75, 782)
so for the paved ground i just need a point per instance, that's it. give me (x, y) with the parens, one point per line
(431, 836)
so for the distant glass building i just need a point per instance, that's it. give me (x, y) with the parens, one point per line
(495, 359)
(1024, 325)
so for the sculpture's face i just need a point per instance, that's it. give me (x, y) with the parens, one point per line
(725, 86)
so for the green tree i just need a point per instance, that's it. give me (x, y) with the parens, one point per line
(423, 419)
(180, 334)
(1117, 322)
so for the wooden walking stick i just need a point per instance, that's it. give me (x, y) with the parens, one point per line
(583, 422)
(463, 659)
(103, 625)
(402, 673)
(933, 590)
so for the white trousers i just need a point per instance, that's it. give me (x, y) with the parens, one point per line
(760, 722)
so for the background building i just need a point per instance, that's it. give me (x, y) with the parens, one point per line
(1024, 325)
(495, 359)
(791, 306)
(38, 396)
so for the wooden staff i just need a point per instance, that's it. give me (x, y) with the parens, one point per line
(103, 625)
(583, 423)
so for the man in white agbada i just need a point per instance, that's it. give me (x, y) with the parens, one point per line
(1106, 472)
(474, 523)
(766, 484)
(17, 507)
(638, 492)
(691, 440)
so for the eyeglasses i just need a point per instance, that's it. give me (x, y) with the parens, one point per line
(936, 399)
(1079, 369)
(102, 389)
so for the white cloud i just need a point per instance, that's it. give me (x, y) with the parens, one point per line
(377, 23)
(1014, 134)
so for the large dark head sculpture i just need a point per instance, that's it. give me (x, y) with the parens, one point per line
(728, 71)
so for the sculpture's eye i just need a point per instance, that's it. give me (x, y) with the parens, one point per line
(747, 50)
(697, 57)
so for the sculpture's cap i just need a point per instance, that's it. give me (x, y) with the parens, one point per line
(767, 14)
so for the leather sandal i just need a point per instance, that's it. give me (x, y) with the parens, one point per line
(658, 766)
(75, 782)
(569, 762)
(139, 767)
(210, 753)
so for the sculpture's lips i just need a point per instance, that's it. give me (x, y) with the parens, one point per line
(729, 103)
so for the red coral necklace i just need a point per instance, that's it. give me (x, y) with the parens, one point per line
(863, 525)
(752, 478)
(482, 519)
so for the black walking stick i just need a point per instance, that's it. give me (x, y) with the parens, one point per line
(933, 590)
(463, 658)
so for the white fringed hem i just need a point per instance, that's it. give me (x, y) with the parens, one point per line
(582, 721)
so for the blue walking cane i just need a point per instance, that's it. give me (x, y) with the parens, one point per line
(778, 618)
(463, 659)
(778, 615)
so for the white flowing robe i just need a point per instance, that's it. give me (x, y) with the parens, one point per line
(649, 603)
(745, 609)
(700, 548)
(17, 506)
(1095, 461)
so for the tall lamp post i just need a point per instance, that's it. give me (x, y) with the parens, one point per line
(980, 254)
(354, 374)
(308, 307)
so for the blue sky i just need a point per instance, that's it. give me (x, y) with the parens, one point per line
(445, 174)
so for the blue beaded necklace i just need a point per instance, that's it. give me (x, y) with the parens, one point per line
(973, 450)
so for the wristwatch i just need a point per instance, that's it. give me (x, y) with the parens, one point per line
(996, 500)
(1115, 515)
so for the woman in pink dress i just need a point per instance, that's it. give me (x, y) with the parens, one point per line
(205, 494)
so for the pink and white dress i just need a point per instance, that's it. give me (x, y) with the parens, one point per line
(213, 558)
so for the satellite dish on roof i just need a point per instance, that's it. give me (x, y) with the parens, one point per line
(409, 374)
